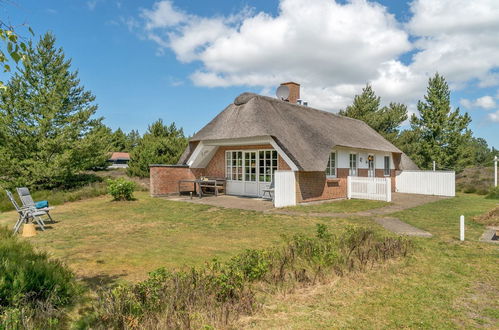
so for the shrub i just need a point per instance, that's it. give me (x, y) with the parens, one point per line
(469, 189)
(121, 189)
(219, 293)
(493, 193)
(33, 288)
(56, 196)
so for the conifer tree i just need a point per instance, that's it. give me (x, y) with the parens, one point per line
(161, 144)
(47, 120)
(385, 120)
(440, 133)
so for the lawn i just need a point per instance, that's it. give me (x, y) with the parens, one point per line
(104, 240)
(443, 284)
(339, 206)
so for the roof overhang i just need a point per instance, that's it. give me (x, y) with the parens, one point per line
(205, 150)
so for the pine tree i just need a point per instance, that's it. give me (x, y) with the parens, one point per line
(161, 144)
(119, 141)
(46, 116)
(441, 133)
(385, 121)
(132, 140)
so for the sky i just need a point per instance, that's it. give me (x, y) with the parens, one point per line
(185, 61)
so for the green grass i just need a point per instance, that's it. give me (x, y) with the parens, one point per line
(443, 284)
(104, 240)
(340, 206)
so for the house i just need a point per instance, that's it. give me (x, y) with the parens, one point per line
(257, 135)
(119, 160)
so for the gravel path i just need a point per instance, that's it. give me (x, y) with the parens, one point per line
(402, 228)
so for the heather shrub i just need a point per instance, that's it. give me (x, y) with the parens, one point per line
(493, 193)
(34, 289)
(220, 292)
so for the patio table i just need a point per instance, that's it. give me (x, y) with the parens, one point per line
(199, 184)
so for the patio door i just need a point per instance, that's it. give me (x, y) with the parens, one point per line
(249, 172)
(250, 175)
(371, 169)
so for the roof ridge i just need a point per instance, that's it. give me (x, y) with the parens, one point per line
(271, 99)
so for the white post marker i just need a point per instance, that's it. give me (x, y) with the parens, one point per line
(495, 171)
(461, 227)
(434, 167)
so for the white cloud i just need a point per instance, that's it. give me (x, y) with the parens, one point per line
(485, 102)
(163, 14)
(458, 38)
(494, 116)
(333, 49)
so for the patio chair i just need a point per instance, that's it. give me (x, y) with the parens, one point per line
(28, 202)
(269, 190)
(25, 214)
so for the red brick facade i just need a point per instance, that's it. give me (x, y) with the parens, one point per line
(310, 186)
(164, 179)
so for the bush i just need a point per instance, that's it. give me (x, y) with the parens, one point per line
(56, 197)
(493, 193)
(219, 293)
(121, 189)
(33, 288)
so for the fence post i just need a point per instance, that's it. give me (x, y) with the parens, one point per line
(388, 189)
(461, 228)
(349, 187)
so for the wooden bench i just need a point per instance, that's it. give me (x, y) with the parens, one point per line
(215, 184)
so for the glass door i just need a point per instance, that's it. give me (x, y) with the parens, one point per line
(250, 175)
(370, 166)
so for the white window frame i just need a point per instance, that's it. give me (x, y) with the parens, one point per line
(385, 168)
(229, 160)
(351, 171)
(272, 159)
(229, 169)
(328, 166)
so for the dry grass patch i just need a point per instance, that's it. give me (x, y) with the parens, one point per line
(490, 218)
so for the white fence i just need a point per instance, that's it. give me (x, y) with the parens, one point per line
(440, 183)
(369, 188)
(285, 188)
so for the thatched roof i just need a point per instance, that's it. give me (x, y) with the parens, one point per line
(305, 134)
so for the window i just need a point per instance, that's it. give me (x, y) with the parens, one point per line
(234, 165)
(267, 165)
(250, 166)
(387, 166)
(331, 165)
(353, 165)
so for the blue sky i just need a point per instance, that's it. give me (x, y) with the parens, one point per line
(184, 61)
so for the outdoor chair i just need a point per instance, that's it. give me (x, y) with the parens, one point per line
(269, 190)
(25, 214)
(28, 202)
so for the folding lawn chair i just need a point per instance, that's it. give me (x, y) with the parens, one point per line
(25, 214)
(269, 190)
(28, 202)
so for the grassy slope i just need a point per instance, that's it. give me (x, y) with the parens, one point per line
(444, 284)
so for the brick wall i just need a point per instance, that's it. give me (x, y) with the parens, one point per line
(164, 179)
(314, 186)
(216, 166)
